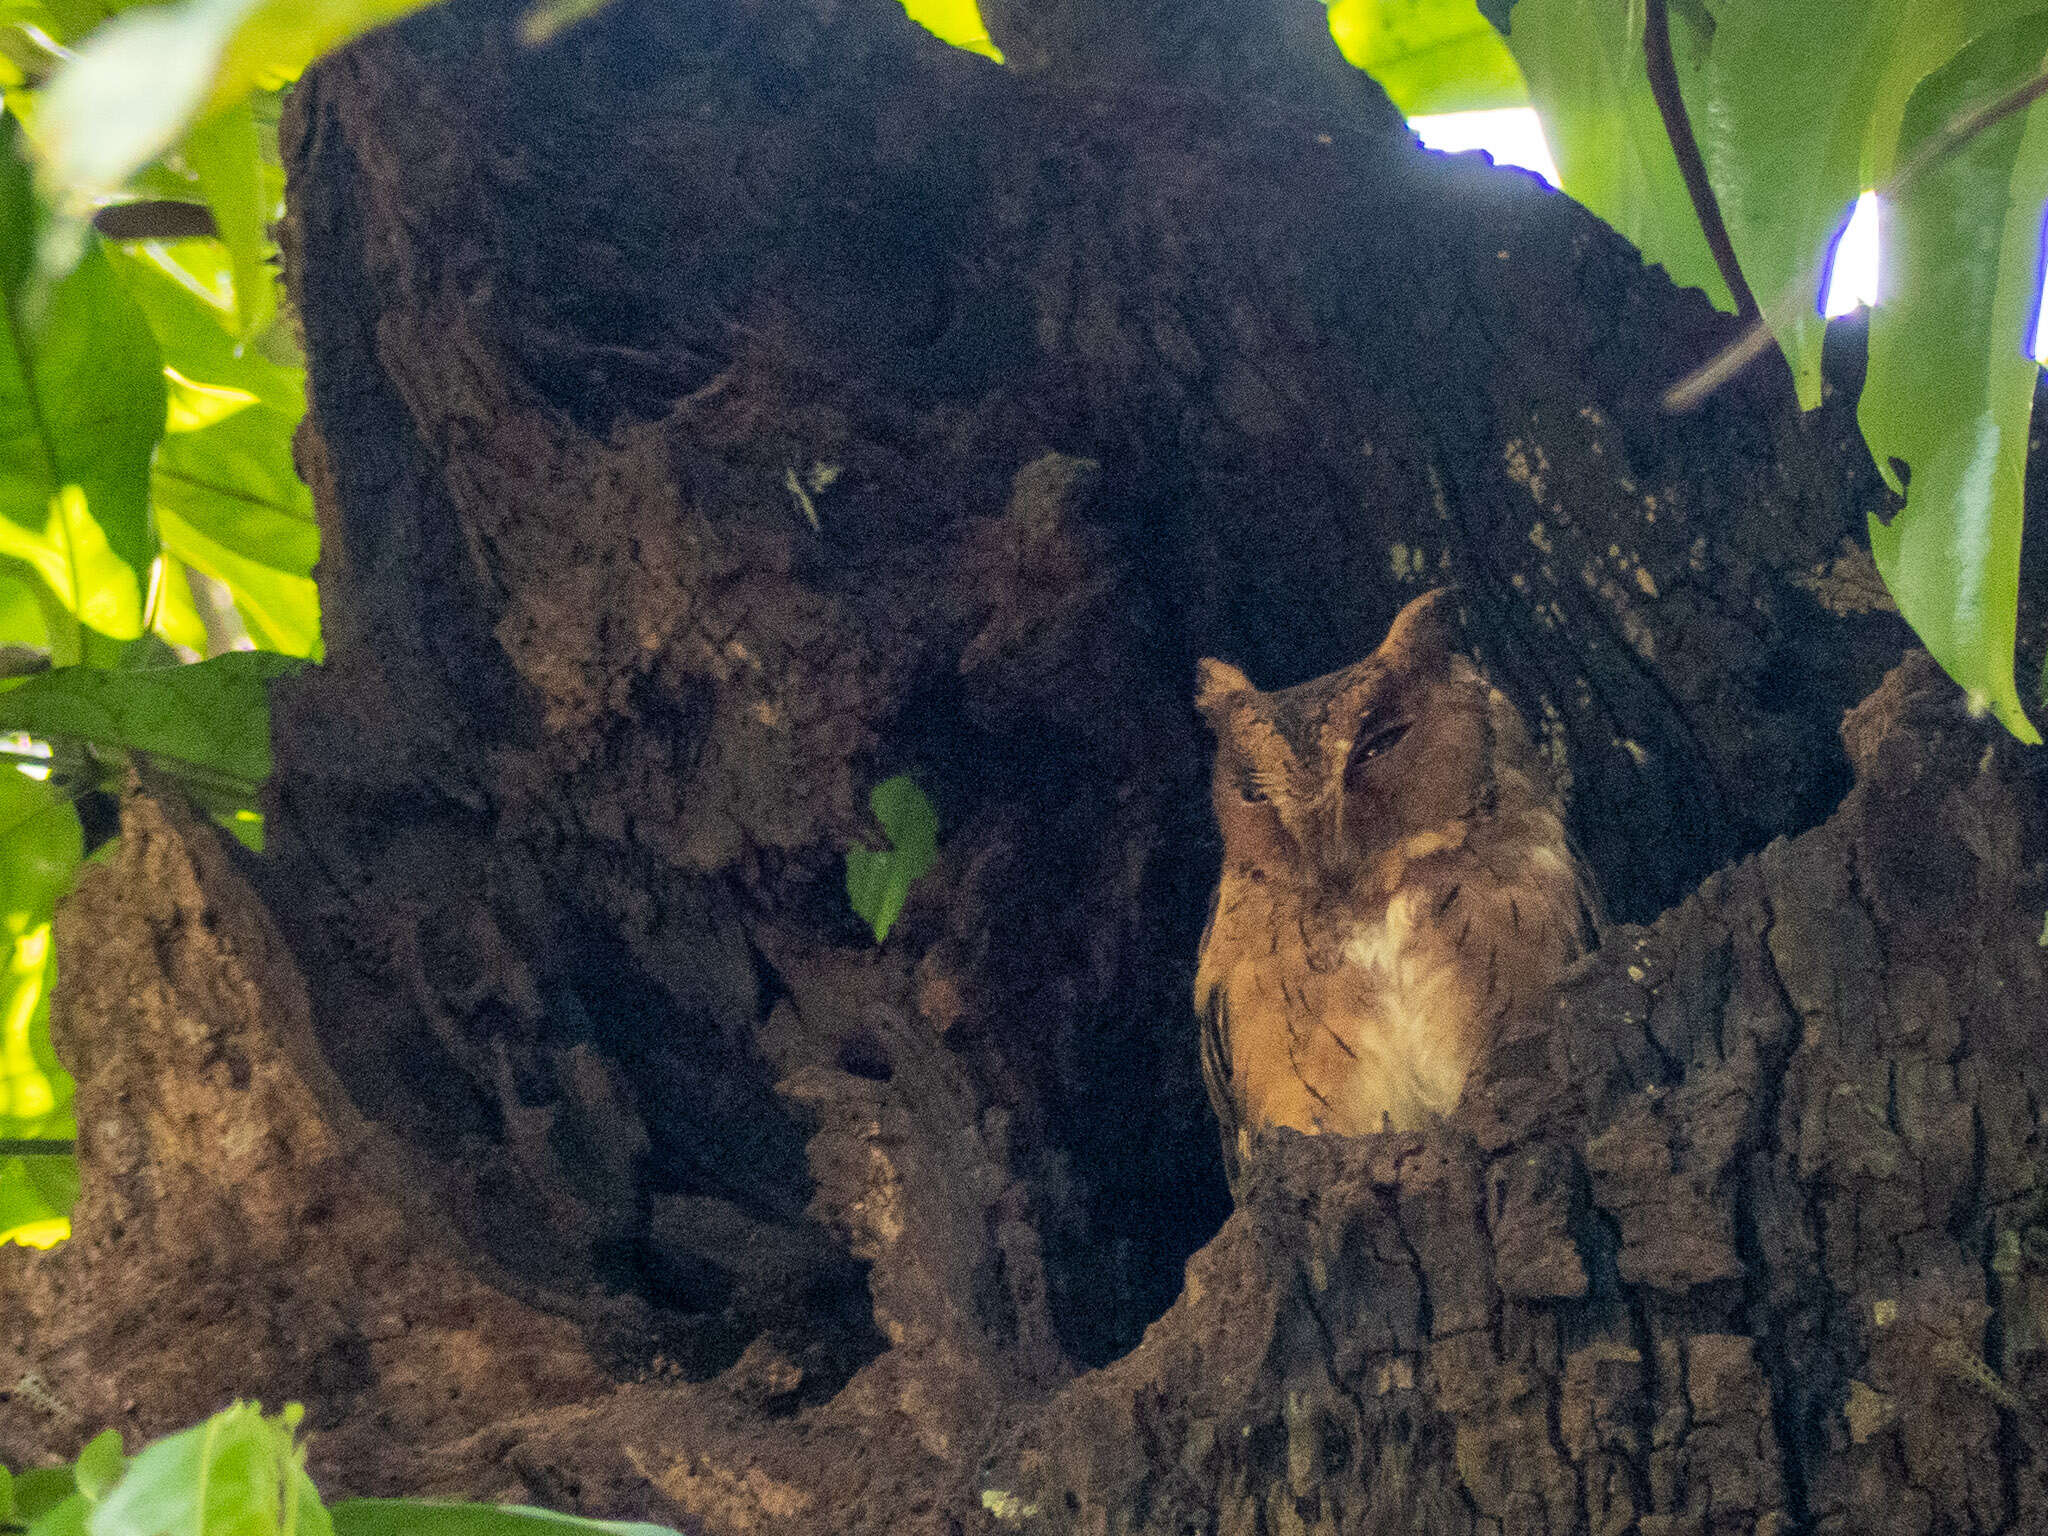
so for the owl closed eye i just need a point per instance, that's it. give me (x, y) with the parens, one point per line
(1397, 882)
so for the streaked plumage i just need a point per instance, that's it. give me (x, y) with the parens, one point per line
(1397, 882)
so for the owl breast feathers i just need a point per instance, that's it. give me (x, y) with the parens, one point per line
(1397, 883)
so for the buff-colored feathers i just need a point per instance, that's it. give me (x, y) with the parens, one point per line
(1396, 884)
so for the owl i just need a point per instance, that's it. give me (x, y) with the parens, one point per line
(1397, 882)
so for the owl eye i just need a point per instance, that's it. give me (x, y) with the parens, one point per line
(1377, 742)
(1249, 792)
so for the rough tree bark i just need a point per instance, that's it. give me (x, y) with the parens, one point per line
(734, 403)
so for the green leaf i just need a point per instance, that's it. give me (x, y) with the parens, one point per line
(1950, 385)
(64, 1518)
(100, 1465)
(212, 717)
(177, 620)
(39, 852)
(234, 482)
(1583, 60)
(230, 503)
(877, 884)
(81, 408)
(42, 1489)
(227, 495)
(435, 1517)
(226, 154)
(185, 288)
(281, 610)
(22, 620)
(1797, 111)
(37, 1195)
(957, 22)
(235, 1474)
(1429, 55)
(142, 79)
(41, 845)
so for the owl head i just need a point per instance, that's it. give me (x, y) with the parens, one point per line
(1329, 777)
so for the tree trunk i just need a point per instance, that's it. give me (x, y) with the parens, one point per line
(730, 405)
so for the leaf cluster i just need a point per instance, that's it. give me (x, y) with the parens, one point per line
(1793, 108)
(153, 527)
(243, 1473)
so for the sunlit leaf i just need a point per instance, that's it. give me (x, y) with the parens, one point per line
(228, 498)
(185, 289)
(1583, 60)
(238, 1473)
(1429, 55)
(177, 620)
(100, 1465)
(1950, 386)
(957, 22)
(143, 78)
(226, 155)
(41, 844)
(234, 482)
(81, 407)
(1797, 110)
(72, 554)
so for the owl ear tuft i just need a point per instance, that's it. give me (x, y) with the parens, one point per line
(1215, 681)
(1426, 628)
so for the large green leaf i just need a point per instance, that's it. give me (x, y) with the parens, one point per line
(1951, 386)
(1799, 101)
(1583, 60)
(81, 408)
(234, 480)
(211, 719)
(235, 1474)
(1429, 55)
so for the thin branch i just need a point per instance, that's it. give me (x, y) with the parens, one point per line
(1756, 338)
(37, 1146)
(155, 219)
(1678, 129)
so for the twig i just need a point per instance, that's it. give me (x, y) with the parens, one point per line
(1678, 129)
(155, 219)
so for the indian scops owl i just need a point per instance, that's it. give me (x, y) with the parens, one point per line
(1396, 883)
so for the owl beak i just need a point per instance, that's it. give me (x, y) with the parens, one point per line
(1333, 846)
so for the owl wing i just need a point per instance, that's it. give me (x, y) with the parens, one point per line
(1213, 1015)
